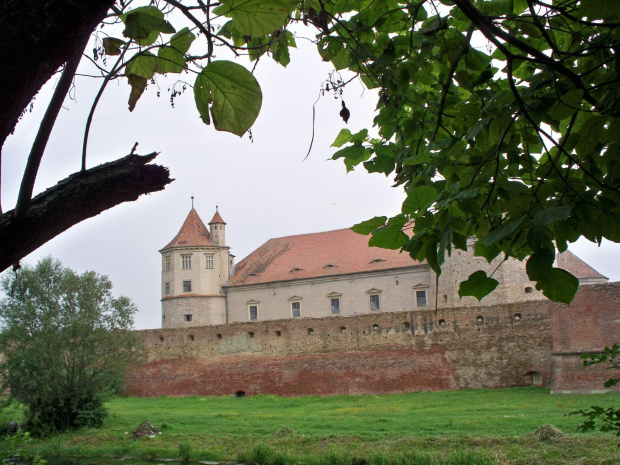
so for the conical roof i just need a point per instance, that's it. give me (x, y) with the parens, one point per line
(217, 219)
(193, 232)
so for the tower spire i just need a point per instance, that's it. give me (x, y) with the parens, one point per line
(192, 201)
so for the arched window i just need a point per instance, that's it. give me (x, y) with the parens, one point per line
(310, 331)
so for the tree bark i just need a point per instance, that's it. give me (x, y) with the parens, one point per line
(38, 36)
(76, 198)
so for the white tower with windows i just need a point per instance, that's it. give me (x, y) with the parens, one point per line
(195, 265)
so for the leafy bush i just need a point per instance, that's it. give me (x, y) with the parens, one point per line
(66, 343)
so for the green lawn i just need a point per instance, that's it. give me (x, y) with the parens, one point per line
(492, 426)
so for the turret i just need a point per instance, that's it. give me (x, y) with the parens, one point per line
(217, 229)
(195, 265)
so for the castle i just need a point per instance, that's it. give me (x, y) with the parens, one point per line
(326, 274)
(324, 314)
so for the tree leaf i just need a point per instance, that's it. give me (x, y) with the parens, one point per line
(501, 232)
(112, 45)
(138, 84)
(368, 226)
(202, 97)
(389, 237)
(143, 65)
(551, 215)
(478, 285)
(234, 95)
(419, 199)
(559, 285)
(182, 40)
(256, 18)
(343, 137)
(568, 104)
(144, 25)
(170, 60)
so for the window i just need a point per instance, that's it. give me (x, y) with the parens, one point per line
(374, 302)
(310, 331)
(296, 309)
(517, 318)
(168, 263)
(479, 320)
(186, 262)
(253, 312)
(209, 260)
(529, 290)
(167, 288)
(335, 306)
(187, 317)
(420, 297)
(187, 286)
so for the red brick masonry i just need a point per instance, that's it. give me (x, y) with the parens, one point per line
(461, 348)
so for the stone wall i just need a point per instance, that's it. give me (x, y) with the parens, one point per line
(453, 348)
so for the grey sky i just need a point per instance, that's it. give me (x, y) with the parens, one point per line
(264, 189)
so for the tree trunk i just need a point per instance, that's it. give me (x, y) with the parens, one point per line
(38, 36)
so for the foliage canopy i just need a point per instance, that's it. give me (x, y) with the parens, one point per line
(498, 118)
(66, 344)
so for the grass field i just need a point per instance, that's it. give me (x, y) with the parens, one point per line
(452, 427)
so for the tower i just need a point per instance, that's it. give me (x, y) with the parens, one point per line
(217, 228)
(195, 265)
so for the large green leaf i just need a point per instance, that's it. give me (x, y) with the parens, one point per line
(233, 94)
(170, 60)
(389, 237)
(256, 18)
(144, 25)
(419, 199)
(551, 215)
(182, 40)
(143, 65)
(343, 137)
(477, 285)
(559, 285)
(368, 226)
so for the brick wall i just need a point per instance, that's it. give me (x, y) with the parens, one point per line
(454, 348)
(589, 324)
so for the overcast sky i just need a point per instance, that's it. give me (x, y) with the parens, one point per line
(264, 188)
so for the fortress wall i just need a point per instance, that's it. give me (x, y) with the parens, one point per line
(380, 353)
(589, 324)
(364, 354)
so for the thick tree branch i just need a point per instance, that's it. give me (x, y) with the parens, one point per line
(76, 198)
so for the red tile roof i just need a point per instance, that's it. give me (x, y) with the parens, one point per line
(576, 266)
(328, 253)
(193, 232)
(217, 219)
